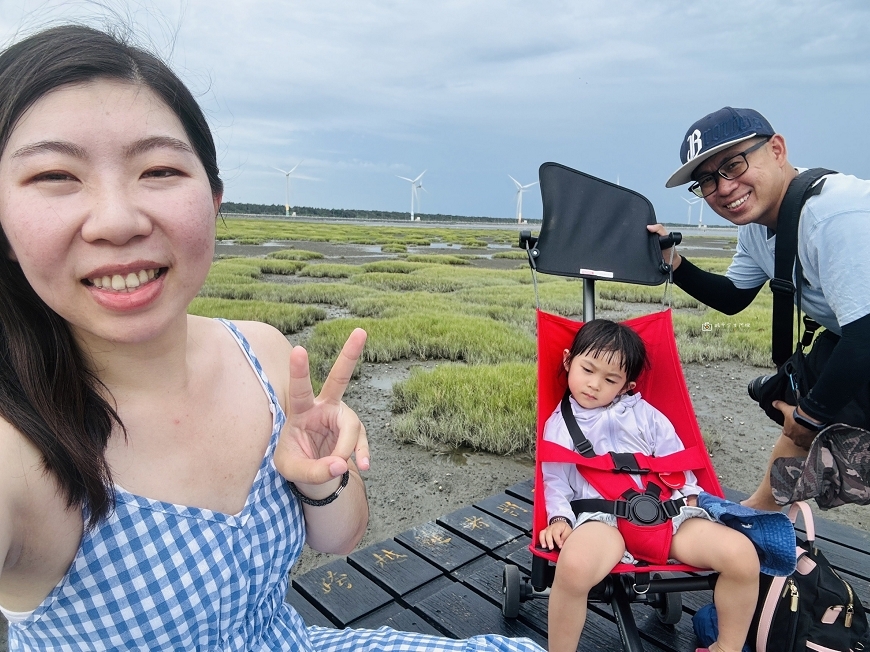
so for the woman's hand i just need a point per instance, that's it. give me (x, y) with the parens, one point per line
(555, 535)
(321, 434)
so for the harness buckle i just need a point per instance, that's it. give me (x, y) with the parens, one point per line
(584, 448)
(782, 286)
(626, 463)
(644, 509)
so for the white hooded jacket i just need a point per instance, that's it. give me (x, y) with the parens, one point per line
(628, 425)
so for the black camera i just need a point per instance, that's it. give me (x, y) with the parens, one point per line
(756, 387)
(788, 384)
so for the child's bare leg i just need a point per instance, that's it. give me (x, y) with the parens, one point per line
(705, 544)
(589, 554)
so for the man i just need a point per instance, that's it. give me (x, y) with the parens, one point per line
(736, 161)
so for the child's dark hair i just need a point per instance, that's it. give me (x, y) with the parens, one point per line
(609, 338)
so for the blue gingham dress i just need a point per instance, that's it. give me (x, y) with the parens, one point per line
(159, 576)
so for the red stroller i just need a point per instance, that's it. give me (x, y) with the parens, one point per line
(596, 230)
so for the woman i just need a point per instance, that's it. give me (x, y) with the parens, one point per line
(153, 494)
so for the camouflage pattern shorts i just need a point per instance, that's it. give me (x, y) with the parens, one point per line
(835, 472)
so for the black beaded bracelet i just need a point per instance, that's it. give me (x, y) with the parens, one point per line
(323, 501)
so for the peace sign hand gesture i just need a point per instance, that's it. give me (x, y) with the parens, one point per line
(322, 433)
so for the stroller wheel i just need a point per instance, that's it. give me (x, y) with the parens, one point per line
(510, 589)
(668, 606)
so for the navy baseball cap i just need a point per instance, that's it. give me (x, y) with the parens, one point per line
(712, 134)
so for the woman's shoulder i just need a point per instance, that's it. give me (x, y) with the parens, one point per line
(269, 345)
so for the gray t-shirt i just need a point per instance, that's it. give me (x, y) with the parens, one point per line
(834, 249)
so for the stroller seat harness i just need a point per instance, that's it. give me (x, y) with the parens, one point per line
(643, 518)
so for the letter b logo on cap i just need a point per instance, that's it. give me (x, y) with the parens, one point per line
(695, 145)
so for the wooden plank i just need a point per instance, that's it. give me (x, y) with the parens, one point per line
(394, 567)
(847, 559)
(399, 618)
(439, 546)
(464, 613)
(679, 637)
(341, 591)
(503, 552)
(439, 583)
(510, 509)
(598, 633)
(479, 527)
(309, 612)
(522, 558)
(524, 490)
(462, 573)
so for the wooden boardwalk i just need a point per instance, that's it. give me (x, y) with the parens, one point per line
(444, 577)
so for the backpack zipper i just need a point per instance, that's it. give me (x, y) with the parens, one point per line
(850, 608)
(790, 587)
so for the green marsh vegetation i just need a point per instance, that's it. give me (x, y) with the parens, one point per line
(476, 323)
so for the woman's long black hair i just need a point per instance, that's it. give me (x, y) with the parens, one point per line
(48, 391)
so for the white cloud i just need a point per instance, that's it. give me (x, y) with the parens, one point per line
(473, 91)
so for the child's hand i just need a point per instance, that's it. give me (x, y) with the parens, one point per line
(555, 535)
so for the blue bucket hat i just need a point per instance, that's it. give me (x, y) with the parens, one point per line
(712, 134)
(772, 533)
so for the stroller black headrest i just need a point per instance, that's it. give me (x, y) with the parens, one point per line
(596, 229)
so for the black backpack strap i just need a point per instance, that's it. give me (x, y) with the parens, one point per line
(581, 444)
(799, 190)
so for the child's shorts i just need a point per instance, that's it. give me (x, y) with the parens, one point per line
(686, 512)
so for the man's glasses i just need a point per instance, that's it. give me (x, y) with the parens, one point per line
(730, 169)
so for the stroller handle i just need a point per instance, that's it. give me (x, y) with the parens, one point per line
(669, 240)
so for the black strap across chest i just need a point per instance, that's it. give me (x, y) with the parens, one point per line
(787, 261)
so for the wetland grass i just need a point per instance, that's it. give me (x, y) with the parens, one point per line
(479, 322)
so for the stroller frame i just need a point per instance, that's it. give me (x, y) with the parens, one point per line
(568, 194)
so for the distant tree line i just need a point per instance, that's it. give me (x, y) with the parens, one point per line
(229, 208)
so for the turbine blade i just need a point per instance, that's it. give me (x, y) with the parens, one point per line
(529, 185)
(405, 178)
(280, 170)
(519, 185)
(420, 177)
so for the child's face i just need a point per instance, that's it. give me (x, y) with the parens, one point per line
(595, 381)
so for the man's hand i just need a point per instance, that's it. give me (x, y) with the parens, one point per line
(801, 436)
(660, 230)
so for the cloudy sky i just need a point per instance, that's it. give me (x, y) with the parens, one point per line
(360, 91)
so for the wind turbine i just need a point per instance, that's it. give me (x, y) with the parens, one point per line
(691, 202)
(520, 190)
(414, 187)
(287, 195)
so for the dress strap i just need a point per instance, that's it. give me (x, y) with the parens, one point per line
(245, 346)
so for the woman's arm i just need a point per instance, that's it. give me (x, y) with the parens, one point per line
(321, 439)
(338, 527)
(10, 457)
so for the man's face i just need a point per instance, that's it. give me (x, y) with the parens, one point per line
(754, 196)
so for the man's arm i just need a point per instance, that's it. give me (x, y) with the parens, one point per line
(715, 290)
(846, 369)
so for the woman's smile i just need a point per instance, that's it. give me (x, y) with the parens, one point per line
(107, 209)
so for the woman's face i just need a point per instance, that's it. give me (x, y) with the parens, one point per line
(107, 209)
